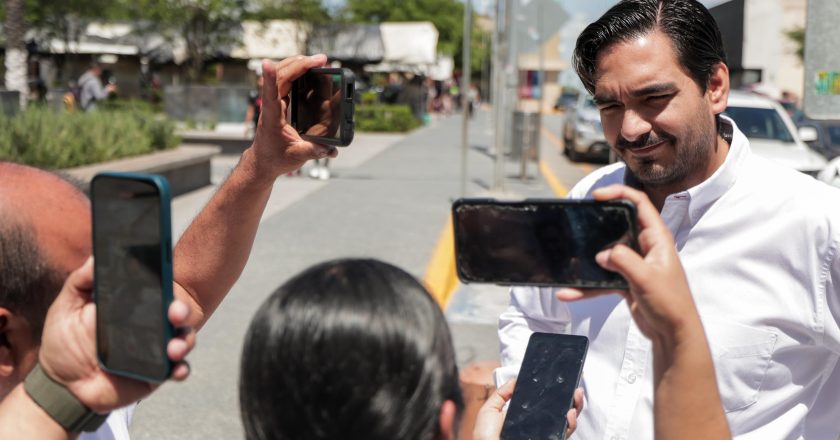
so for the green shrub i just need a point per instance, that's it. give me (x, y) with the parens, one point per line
(385, 118)
(49, 139)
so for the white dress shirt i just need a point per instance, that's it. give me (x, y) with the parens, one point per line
(759, 244)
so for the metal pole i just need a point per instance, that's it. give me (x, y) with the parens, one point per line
(465, 95)
(501, 100)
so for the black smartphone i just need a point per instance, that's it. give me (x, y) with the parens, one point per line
(540, 242)
(322, 106)
(132, 273)
(545, 387)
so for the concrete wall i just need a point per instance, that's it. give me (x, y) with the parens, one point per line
(767, 48)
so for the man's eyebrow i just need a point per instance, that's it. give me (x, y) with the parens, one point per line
(604, 99)
(654, 89)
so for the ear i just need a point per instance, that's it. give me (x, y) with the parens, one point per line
(447, 420)
(18, 350)
(717, 89)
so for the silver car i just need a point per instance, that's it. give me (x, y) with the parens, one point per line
(583, 135)
(771, 132)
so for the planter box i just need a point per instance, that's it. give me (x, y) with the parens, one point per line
(187, 167)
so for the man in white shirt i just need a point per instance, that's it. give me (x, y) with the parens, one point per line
(760, 243)
(45, 233)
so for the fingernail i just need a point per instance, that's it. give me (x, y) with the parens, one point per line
(602, 257)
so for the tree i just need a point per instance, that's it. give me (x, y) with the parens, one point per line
(310, 11)
(797, 36)
(446, 15)
(207, 27)
(15, 30)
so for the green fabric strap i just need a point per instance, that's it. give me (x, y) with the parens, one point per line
(60, 403)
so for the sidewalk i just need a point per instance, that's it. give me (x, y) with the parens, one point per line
(389, 198)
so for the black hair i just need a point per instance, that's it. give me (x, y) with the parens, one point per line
(692, 30)
(28, 283)
(348, 349)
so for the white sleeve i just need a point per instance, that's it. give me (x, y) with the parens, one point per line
(530, 310)
(832, 293)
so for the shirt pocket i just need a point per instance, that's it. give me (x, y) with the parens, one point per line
(742, 356)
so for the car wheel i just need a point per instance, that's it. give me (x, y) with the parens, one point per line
(573, 155)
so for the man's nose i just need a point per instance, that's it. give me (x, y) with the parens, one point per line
(634, 126)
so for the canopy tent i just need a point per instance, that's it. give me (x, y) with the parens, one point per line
(348, 43)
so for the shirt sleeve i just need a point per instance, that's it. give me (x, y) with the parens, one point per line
(531, 310)
(832, 293)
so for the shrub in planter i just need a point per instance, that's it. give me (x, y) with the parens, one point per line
(385, 118)
(49, 139)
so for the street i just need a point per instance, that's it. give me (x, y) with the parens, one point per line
(389, 198)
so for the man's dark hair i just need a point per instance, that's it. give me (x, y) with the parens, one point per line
(687, 23)
(28, 283)
(353, 348)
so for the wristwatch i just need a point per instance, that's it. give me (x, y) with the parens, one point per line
(60, 403)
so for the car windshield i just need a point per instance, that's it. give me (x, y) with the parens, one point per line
(834, 134)
(759, 123)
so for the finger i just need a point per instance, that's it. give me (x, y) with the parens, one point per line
(333, 153)
(578, 401)
(179, 313)
(180, 371)
(571, 294)
(625, 261)
(498, 398)
(76, 289)
(571, 420)
(294, 70)
(647, 213)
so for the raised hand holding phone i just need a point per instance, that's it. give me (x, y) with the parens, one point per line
(686, 397)
(278, 148)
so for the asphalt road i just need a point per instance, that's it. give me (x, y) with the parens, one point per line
(389, 198)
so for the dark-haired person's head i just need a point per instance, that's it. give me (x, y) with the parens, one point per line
(44, 234)
(349, 349)
(657, 70)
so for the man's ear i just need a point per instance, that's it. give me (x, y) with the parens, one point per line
(16, 343)
(717, 89)
(447, 420)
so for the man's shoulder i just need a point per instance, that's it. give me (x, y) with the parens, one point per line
(604, 176)
(787, 188)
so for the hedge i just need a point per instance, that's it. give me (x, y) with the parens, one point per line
(385, 118)
(45, 138)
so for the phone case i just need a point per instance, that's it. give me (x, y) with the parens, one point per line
(162, 186)
(348, 108)
(519, 204)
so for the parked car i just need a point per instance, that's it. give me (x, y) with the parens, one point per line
(822, 136)
(566, 100)
(583, 135)
(831, 173)
(771, 132)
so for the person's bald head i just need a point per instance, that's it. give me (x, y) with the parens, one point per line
(45, 233)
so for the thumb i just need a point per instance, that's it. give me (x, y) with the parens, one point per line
(497, 399)
(78, 285)
(270, 100)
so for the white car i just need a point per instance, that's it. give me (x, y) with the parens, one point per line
(583, 135)
(771, 132)
(831, 173)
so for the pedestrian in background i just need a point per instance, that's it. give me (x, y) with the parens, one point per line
(90, 87)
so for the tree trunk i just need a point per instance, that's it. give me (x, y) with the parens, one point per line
(16, 68)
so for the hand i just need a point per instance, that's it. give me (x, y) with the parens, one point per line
(278, 147)
(68, 349)
(491, 416)
(659, 298)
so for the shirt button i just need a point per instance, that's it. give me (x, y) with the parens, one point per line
(631, 378)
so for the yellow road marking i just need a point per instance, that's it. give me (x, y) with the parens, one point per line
(441, 278)
(558, 188)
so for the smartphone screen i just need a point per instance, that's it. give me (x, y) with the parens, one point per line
(318, 104)
(540, 242)
(131, 248)
(545, 387)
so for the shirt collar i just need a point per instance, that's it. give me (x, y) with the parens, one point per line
(702, 195)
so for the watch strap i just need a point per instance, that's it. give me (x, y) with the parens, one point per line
(60, 404)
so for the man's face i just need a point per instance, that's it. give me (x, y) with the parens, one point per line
(655, 116)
